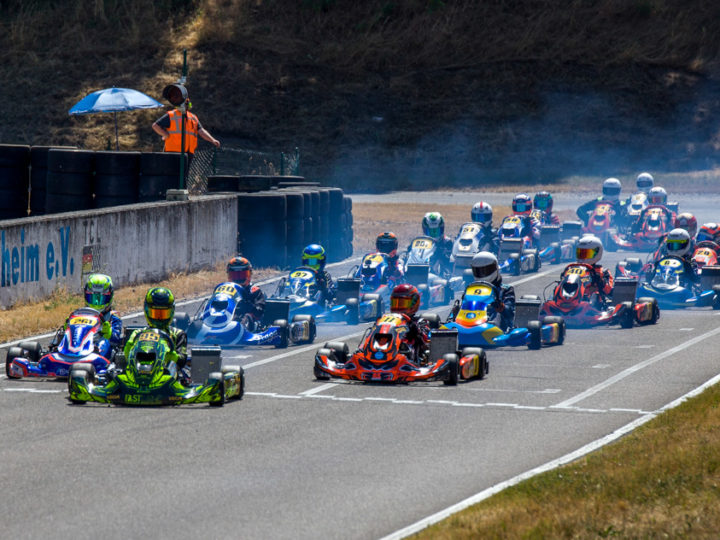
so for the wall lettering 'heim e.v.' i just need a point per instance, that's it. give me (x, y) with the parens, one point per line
(31, 262)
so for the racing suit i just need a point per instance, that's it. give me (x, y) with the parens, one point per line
(418, 336)
(326, 286)
(251, 307)
(440, 263)
(179, 355)
(395, 270)
(621, 217)
(548, 218)
(530, 228)
(490, 234)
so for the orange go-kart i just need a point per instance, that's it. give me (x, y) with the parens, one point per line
(578, 303)
(385, 355)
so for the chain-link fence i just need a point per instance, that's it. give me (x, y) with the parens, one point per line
(238, 161)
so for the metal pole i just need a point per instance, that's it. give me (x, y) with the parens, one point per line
(182, 146)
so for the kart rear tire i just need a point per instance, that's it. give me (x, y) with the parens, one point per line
(339, 349)
(424, 295)
(13, 352)
(716, 302)
(221, 401)
(181, 320)
(561, 322)
(627, 317)
(482, 369)
(515, 258)
(433, 319)
(284, 331)
(656, 309)
(313, 327)
(353, 311)
(453, 370)
(535, 329)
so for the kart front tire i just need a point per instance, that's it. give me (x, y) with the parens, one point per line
(353, 311)
(284, 331)
(320, 375)
(453, 369)
(535, 329)
(433, 319)
(13, 352)
(87, 368)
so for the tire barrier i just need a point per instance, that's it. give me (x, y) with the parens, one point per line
(116, 178)
(242, 183)
(38, 176)
(14, 180)
(159, 171)
(70, 183)
(262, 228)
(274, 226)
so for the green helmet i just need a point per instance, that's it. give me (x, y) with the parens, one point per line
(98, 291)
(159, 307)
(146, 359)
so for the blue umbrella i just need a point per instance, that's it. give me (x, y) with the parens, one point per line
(114, 100)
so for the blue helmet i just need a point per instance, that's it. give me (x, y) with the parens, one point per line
(313, 256)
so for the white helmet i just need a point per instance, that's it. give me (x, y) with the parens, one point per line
(678, 242)
(485, 266)
(589, 249)
(644, 182)
(611, 189)
(657, 195)
(481, 213)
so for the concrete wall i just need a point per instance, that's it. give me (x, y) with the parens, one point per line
(134, 243)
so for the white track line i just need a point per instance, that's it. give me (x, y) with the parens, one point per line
(633, 369)
(567, 458)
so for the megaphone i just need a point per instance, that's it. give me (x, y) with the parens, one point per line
(176, 94)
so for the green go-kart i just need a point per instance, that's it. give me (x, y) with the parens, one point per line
(146, 378)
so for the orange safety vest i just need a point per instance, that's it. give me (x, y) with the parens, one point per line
(174, 141)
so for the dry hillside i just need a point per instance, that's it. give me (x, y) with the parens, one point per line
(380, 93)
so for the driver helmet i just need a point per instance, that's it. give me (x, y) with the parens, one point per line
(611, 189)
(313, 256)
(543, 201)
(522, 204)
(98, 292)
(589, 250)
(485, 266)
(644, 182)
(433, 225)
(688, 222)
(709, 231)
(387, 243)
(239, 270)
(405, 298)
(657, 195)
(678, 242)
(159, 307)
(481, 213)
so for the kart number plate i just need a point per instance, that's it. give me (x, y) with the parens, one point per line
(301, 274)
(80, 321)
(422, 243)
(479, 290)
(149, 336)
(470, 230)
(226, 289)
(670, 263)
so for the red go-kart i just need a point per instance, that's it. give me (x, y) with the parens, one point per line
(385, 355)
(576, 301)
(653, 224)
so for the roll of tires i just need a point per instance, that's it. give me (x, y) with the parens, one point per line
(250, 183)
(14, 180)
(38, 176)
(308, 230)
(222, 183)
(159, 171)
(324, 216)
(295, 205)
(286, 184)
(315, 197)
(295, 238)
(262, 227)
(116, 178)
(70, 182)
(336, 202)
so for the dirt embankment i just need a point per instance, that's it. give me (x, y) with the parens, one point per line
(380, 93)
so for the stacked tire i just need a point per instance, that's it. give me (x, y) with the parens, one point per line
(116, 178)
(262, 228)
(14, 180)
(38, 176)
(159, 171)
(70, 183)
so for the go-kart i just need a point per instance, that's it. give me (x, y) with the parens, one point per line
(637, 203)
(601, 219)
(471, 239)
(667, 285)
(434, 290)
(581, 306)
(516, 253)
(558, 242)
(376, 284)
(146, 378)
(301, 291)
(653, 223)
(384, 355)
(474, 328)
(217, 322)
(81, 342)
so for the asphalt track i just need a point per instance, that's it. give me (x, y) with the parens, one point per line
(300, 458)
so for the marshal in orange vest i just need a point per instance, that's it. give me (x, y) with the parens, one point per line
(174, 141)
